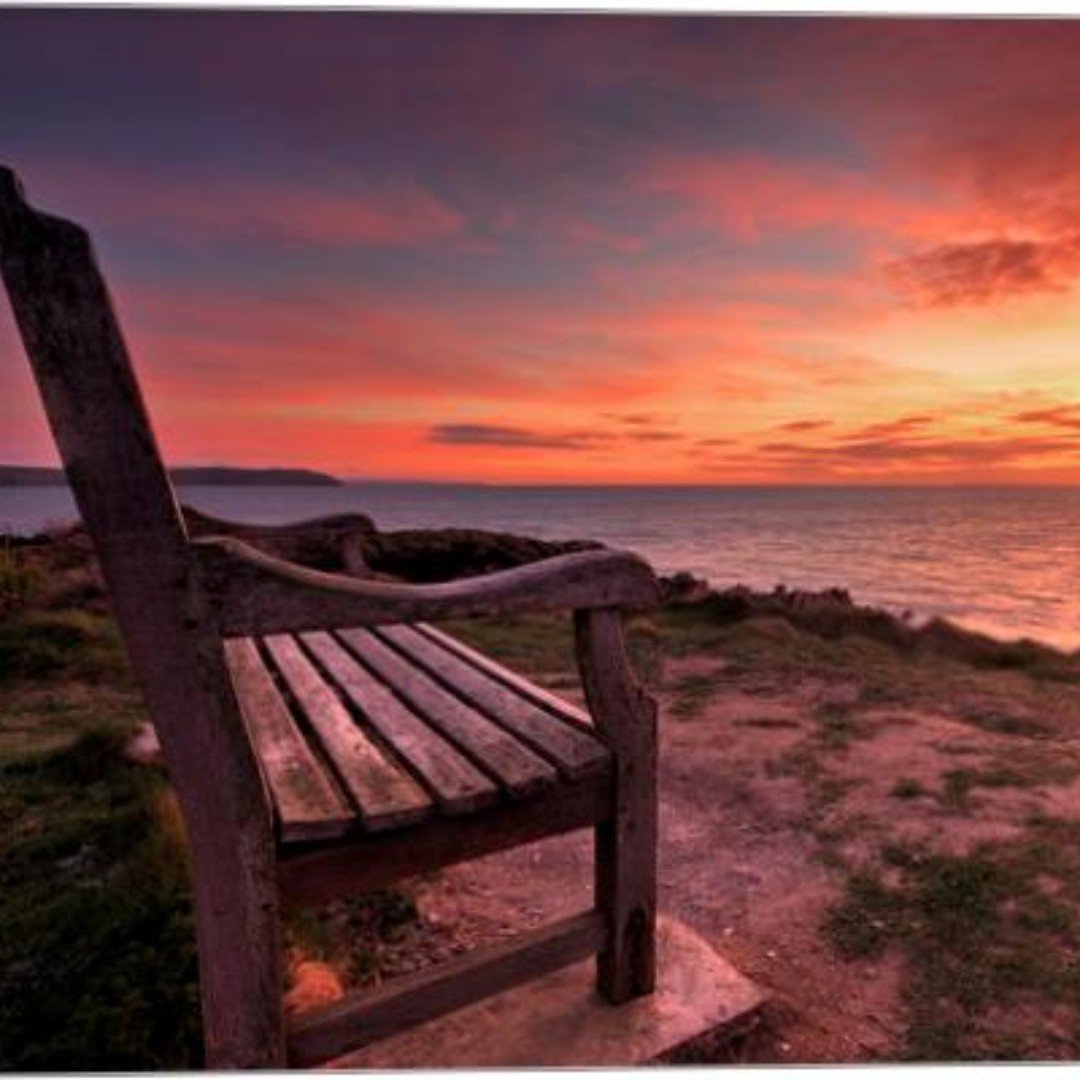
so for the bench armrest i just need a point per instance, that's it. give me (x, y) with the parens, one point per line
(247, 591)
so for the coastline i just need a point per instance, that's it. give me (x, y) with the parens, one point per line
(1001, 563)
(431, 555)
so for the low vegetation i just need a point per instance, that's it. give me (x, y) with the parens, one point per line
(989, 940)
(97, 961)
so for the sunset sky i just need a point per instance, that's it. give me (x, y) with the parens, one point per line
(581, 249)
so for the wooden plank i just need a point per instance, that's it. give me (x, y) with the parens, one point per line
(360, 862)
(385, 795)
(625, 844)
(308, 802)
(572, 750)
(544, 698)
(361, 1018)
(520, 770)
(457, 785)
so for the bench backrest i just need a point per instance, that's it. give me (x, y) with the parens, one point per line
(121, 487)
(83, 371)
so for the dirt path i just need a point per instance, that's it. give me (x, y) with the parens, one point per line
(769, 797)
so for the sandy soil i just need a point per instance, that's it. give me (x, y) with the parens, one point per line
(758, 818)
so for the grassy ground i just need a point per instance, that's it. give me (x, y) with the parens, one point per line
(97, 962)
(97, 956)
(988, 938)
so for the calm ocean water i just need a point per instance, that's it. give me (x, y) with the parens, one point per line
(1003, 560)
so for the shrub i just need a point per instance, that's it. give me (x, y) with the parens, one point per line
(18, 579)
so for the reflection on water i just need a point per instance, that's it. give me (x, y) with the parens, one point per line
(1004, 560)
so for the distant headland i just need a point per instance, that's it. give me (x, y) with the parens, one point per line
(212, 475)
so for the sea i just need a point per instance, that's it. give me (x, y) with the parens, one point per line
(1002, 560)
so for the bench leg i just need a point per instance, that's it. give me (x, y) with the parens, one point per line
(626, 893)
(241, 977)
(625, 846)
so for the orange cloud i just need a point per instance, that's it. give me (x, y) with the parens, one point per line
(1059, 416)
(514, 438)
(988, 271)
(804, 425)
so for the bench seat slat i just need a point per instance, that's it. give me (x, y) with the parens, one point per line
(456, 784)
(363, 730)
(576, 752)
(386, 796)
(520, 770)
(523, 687)
(307, 801)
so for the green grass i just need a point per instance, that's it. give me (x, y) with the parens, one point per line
(64, 644)
(97, 955)
(352, 931)
(959, 783)
(1024, 766)
(981, 936)
(693, 691)
(534, 643)
(19, 580)
(771, 645)
(542, 646)
(97, 958)
(1003, 723)
(840, 726)
(907, 788)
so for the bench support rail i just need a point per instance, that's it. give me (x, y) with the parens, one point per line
(355, 1021)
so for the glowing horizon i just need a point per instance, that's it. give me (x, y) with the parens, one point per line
(578, 249)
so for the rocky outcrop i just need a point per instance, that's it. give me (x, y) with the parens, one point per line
(684, 588)
(316, 543)
(425, 555)
(351, 542)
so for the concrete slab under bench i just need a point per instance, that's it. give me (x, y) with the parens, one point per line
(560, 1020)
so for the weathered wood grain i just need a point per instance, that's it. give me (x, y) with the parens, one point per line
(625, 843)
(362, 1018)
(386, 796)
(313, 873)
(457, 785)
(254, 593)
(575, 752)
(518, 769)
(524, 687)
(307, 799)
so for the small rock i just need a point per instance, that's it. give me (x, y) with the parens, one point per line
(314, 983)
(143, 747)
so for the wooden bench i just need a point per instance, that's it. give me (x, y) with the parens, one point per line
(321, 737)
